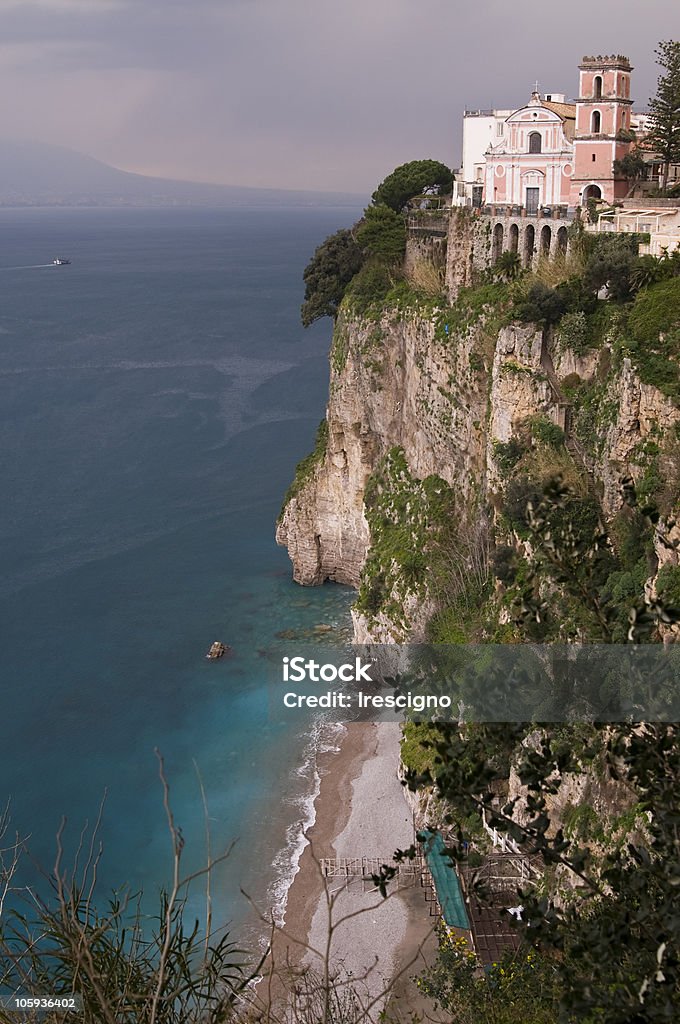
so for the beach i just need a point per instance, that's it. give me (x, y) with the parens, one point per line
(366, 940)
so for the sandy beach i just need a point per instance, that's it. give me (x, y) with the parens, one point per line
(360, 812)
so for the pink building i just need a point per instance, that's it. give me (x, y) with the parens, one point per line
(532, 166)
(603, 119)
(553, 153)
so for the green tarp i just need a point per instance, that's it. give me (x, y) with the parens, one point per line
(445, 880)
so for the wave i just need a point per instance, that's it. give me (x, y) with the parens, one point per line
(323, 738)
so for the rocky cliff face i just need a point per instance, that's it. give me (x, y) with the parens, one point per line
(445, 391)
(396, 382)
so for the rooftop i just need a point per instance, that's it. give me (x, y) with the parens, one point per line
(616, 60)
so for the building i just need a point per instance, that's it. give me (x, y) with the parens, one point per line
(660, 219)
(549, 152)
(603, 125)
(532, 165)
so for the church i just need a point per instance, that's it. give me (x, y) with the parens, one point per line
(551, 153)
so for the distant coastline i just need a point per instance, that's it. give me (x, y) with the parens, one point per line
(40, 175)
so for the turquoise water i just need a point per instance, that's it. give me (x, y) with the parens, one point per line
(154, 398)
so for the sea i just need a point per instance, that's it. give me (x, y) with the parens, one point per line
(155, 397)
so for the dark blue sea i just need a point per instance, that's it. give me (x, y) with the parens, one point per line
(155, 396)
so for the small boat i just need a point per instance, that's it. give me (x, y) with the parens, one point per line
(217, 650)
(60, 261)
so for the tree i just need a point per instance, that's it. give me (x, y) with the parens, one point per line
(610, 259)
(412, 179)
(328, 274)
(543, 305)
(631, 167)
(664, 108)
(382, 234)
(508, 266)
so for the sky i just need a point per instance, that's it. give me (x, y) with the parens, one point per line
(310, 94)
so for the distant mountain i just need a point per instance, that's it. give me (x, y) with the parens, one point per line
(37, 174)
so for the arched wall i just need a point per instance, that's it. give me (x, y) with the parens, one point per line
(528, 237)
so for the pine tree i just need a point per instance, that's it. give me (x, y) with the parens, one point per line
(664, 134)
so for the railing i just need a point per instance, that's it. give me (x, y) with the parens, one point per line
(430, 222)
(500, 841)
(544, 212)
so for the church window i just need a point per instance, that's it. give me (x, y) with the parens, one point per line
(596, 122)
(535, 142)
(593, 158)
(597, 87)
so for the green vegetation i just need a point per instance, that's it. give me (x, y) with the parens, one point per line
(406, 517)
(417, 753)
(382, 234)
(631, 167)
(364, 262)
(542, 305)
(368, 291)
(126, 966)
(327, 275)
(488, 301)
(413, 179)
(656, 310)
(668, 585)
(664, 108)
(307, 466)
(521, 987)
(654, 339)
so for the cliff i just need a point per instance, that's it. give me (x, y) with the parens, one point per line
(397, 382)
(421, 392)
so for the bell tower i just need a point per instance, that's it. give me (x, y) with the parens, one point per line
(602, 121)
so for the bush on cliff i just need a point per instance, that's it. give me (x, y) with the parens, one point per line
(327, 275)
(382, 234)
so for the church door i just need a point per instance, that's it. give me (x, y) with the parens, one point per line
(532, 200)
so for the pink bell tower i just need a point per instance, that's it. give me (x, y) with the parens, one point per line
(602, 119)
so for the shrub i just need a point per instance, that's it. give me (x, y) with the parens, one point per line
(570, 384)
(668, 585)
(504, 563)
(546, 432)
(382, 234)
(542, 305)
(656, 311)
(508, 454)
(370, 286)
(327, 275)
(609, 262)
(305, 468)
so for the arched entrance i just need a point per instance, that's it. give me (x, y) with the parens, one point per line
(529, 238)
(591, 192)
(497, 245)
(562, 240)
(546, 236)
(514, 238)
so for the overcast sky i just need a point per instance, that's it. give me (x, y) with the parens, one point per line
(314, 94)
